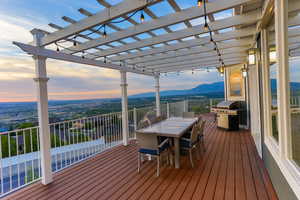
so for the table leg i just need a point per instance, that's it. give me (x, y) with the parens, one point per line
(177, 153)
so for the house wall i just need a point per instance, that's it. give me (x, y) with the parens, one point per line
(280, 184)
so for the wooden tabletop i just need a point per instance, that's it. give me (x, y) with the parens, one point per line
(171, 127)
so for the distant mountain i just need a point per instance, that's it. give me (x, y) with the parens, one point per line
(204, 89)
(295, 86)
(217, 87)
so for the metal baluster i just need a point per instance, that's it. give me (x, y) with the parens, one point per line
(55, 146)
(1, 165)
(17, 151)
(32, 150)
(10, 167)
(39, 159)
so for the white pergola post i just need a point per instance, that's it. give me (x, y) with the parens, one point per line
(125, 128)
(157, 96)
(42, 98)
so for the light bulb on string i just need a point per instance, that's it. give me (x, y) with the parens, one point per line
(205, 26)
(200, 3)
(104, 32)
(142, 17)
(82, 56)
(74, 42)
(57, 48)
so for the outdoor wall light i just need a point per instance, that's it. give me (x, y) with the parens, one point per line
(245, 71)
(221, 70)
(251, 57)
(273, 55)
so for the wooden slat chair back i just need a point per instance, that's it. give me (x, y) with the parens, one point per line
(188, 114)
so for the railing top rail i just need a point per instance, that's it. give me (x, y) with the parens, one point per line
(18, 130)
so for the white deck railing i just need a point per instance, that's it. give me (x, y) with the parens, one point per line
(71, 142)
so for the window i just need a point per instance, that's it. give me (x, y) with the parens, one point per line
(294, 70)
(273, 69)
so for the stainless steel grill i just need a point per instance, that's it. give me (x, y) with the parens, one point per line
(227, 114)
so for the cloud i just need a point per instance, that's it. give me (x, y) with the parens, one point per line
(67, 80)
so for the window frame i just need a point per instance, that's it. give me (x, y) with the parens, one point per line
(281, 151)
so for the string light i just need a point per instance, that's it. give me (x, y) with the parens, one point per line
(142, 17)
(199, 3)
(57, 48)
(206, 27)
(74, 42)
(104, 59)
(104, 32)
(82, 56)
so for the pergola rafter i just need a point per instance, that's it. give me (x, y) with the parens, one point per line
(104, 16)
(212, 54)
(200, 51)
(174, 18)
(201, 66)
(190, 43)
(196, 60)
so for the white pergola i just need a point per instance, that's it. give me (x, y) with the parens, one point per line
(189, 48)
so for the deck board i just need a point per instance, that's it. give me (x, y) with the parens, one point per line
(230, 169)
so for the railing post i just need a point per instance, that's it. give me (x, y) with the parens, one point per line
(210, 103)
(42, 105)
(134, 119)
(157, 96)
(125, 128)
(184, 106)
(168, 110)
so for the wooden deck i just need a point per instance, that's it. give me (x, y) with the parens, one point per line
(229, 169)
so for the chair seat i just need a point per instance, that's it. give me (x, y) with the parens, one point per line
(155, 151)
(186, 143)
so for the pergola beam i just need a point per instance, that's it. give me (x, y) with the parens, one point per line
(106, 15)
(187, 44)
(38, 51)
(216, 25)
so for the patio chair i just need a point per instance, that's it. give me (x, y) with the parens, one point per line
(201, 127)
(190, 143)
(143, 124)
(149, 145)
(188, 114)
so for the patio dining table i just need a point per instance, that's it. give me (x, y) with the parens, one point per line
(173, 127)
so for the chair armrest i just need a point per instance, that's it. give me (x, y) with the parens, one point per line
(163, 143)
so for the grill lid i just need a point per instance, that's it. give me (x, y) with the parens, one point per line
(228, 104)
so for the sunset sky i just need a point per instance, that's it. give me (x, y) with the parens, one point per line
(68, 80)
